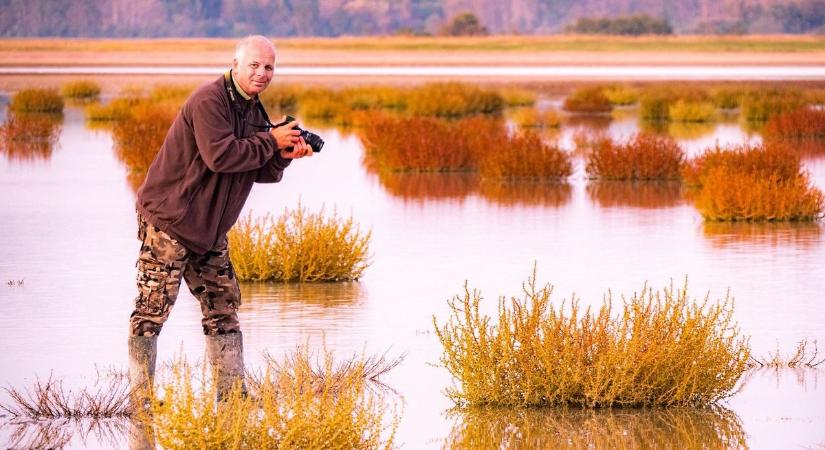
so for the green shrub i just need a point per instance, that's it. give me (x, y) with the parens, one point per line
(684, 111)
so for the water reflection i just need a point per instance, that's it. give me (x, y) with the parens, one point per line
(423, 187)
(773, 234)
(690, 130)
(593, 122)
(710, 428)
(51, 433)
(29, 136)
(636, 194)
(429, 186)
(538, 193)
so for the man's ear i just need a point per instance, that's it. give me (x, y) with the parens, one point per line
(235, 64)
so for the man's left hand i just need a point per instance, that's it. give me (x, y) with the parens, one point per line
(300, 150)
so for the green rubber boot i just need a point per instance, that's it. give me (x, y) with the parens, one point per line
(225, 352)
(143, 352)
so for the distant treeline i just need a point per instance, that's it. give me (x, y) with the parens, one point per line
(195, 18)
(627, 26)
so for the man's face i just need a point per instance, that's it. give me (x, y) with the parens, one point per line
(253, 71)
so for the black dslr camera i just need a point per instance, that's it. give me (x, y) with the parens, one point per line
(310, 138)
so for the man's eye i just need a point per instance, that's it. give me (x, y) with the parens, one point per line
(254, 66)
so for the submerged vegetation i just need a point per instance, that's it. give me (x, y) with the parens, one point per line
(661, 348)
(298, 246)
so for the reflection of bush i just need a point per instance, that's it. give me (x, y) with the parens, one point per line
(428, 186)
(538, 193)
(138, 139)
(660, 348)
(636, 194)
(689, 130)
(776, 234)
(323, 294)
(672, 428)
(299, 246)
(29, 136)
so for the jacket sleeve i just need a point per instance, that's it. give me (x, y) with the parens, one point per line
(273, 171)
(220, 149)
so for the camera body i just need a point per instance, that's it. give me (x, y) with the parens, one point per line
(310, 138)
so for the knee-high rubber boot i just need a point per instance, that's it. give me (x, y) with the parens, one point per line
(226, 355)
(143, 352)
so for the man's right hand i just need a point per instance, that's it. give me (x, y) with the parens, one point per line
(286, 135)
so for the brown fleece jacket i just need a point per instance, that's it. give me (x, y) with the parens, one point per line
(198, 182)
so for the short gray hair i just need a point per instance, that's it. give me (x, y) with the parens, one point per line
(253, 38)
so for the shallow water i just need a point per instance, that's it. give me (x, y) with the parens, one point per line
(550, 72)
(68, 228)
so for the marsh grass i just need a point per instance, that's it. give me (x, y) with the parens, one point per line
(659, 349)
(117, 109)
(588, 100)
(36, 101)
(753, 183)
(654, 104)
(428, 144)
(803, 356)
(49, 400)
(83, 90)
(453, 100)
(686, 111)
(803, 123)
(572, 428)
(282, 98)
(525, 156)
(645, 156)
(518, 96)
(621, 95)
(728, 98)
(294, 404)
(29, 136)
(299, 245)
(533, 118)
(759, 106)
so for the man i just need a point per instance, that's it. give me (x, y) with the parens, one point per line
(217, 148)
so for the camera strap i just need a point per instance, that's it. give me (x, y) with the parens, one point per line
(228, 84)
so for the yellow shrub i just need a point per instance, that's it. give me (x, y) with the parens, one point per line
(290, 405)
(453, 100)
(531, 117)
(588, 100)
(660, 349)
(81, 90)
(621, 95)
(118, 109)
(298, 246)
(518, 97)
(36, 100)
(684, 111)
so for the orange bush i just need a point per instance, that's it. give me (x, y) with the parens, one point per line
(645, 156)
(427, 144)
(753, 183)
(804, 123)
(759, 161)
(525, 156)
(588, 100)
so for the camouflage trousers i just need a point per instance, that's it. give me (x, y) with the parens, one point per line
(210, 277)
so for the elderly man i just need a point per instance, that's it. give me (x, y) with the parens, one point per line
(220, 144)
